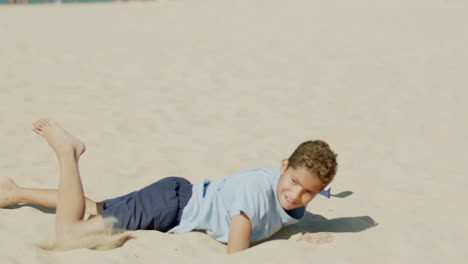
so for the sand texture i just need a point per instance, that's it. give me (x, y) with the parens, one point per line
(205, 88)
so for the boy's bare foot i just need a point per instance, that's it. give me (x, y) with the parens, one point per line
(7, 192)
(58, 138)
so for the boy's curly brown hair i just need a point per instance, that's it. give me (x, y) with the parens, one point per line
(317, 158)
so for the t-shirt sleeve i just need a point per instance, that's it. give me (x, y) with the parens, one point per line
(252, 200)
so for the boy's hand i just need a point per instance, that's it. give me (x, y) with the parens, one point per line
(239, 233)
(316, 238)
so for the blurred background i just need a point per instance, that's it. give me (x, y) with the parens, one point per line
(60, 1)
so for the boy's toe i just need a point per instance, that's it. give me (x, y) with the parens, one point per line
(37, 131)
(46, 122)
(43, 123)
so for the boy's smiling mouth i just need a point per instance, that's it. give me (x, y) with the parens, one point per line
(289, 201)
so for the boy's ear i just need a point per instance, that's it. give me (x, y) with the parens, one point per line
(284, 165)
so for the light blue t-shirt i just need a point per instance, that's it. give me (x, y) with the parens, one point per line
(252, 191)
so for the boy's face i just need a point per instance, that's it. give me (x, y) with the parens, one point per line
(296, 187)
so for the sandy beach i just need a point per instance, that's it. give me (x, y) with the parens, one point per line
(203, 89)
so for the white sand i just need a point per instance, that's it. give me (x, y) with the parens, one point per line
(206, 88)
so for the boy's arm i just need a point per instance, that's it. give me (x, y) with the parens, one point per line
(239, 233)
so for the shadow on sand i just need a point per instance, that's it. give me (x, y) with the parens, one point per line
(314, 223)
(37, 207)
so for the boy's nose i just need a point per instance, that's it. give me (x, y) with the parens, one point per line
(296, 194)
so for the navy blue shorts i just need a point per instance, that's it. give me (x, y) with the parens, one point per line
(158, 206)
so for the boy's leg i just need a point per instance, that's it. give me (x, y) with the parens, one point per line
(70, 197)
(11, 194)
(48, 198)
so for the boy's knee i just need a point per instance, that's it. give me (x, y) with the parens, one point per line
(92, 207)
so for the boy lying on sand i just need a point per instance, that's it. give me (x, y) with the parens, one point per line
(246, 207)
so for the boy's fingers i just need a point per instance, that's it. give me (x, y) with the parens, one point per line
(317, 238)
